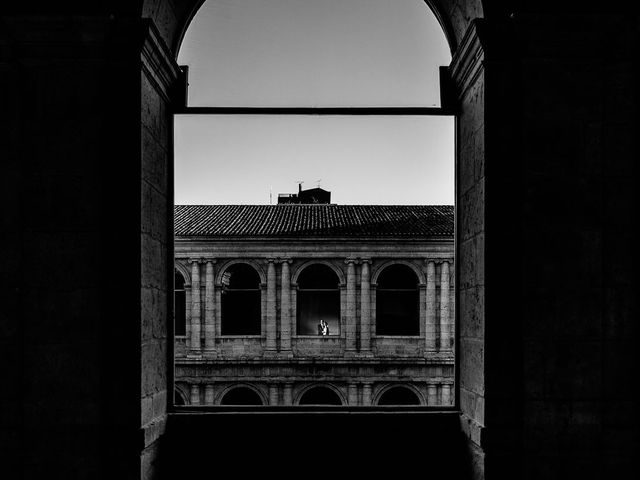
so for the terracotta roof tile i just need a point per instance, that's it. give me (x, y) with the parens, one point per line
(295, 220)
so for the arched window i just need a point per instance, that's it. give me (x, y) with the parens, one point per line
(397, 302)
(179, 306)
(320, 396)
(399, 396)
(318, 299)
(241, 396)
(240, 301)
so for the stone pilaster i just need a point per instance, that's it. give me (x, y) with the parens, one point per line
(430, 330)
(285, 307)
(365, 307)
(366, 394)
(352, 394)
(195, 394)
(350, 314)
(271, 305)
(208, 394)
(287, 394)
(195, 306)
(446, 394)
(432, 394)
(273, 394)
(209, 312)
(445, 337)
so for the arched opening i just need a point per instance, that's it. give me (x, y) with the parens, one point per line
(399, 395)
(240, 301)
(318, 301)
(320, 396)
(241, 396)
(179, 305)
(397, 302)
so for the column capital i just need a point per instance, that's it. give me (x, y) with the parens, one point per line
(286, 260)
(210, 260)
(350, 260)
(271, 260)
(195, 260)
(366, 260)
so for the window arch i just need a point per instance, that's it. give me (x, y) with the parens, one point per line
(318, 298)
(241, 310)
(320, 395)
(241, 396)
(397, 302)
(399, 395)
(179, 305)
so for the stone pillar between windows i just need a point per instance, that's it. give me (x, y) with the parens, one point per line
(352, 394)
(350, 314)
(273, 394)
(365, 307)
(187, 316)
(195, 394)
(287, 394)
(195, 306)
(446, 394)
(285, 307)
(208, 394)
(209, 314)
(366, 394)
(430, 330)
(432, 394)
(271, 305)
(445, 338)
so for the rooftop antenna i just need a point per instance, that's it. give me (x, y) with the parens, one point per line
(299, 182)
(318, 182)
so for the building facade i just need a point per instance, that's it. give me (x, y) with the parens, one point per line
(254, 282)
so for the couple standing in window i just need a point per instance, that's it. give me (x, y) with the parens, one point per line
(323, 328)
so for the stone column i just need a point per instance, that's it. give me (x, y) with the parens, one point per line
(445, 337)
(366, 394)
(187, 315)
(195, 305)
(350, 314)
(195, 394)
(273, 394)
(352, 394)
(365, 307)
(208, 394)
(432, 394)
(287, 394)
(271, 305)
(430, 330)
(446, 394)
(285, 307)
(209, 317)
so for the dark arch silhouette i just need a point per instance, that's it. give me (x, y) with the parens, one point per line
(399, 395)
(241, 300)
(320, 396)
(241, 396)
(318, 299)
(397, 302)
(178, 398)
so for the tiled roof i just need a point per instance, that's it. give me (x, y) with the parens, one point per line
(287, 220)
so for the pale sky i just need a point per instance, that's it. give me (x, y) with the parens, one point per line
(314, 53)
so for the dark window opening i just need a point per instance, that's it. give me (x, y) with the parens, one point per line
(240, 301)
(178, 399)
(397, 302)
(241, 396)
(320, 396)
(180, 306)
(318, 299)
(399, 396)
